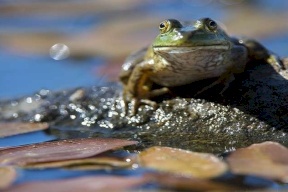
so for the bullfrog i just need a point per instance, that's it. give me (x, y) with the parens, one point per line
(185, 53)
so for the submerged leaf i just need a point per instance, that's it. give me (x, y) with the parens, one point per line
(268, 159)
(87, 184)
(60, 150)
(182, 162)
(7, 176)
(15, 128)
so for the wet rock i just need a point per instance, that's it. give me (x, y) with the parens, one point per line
(253, 109)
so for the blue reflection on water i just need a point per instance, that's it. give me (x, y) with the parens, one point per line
(23, 75)
(277, 44)
(49, 174)
(47, 23)
(56, 174)
(27, 138)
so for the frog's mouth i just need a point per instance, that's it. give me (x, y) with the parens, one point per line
(188, 49)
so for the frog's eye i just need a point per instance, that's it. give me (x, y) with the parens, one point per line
(164, 26)
(212, 25)
(168, 25)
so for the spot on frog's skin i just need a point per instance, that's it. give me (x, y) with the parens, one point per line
(182, 54)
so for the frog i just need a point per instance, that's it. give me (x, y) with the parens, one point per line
(183, 53)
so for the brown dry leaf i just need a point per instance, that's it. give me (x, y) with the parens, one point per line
(15, 128)
(268, 159)
(100, 162)
(7, 176)
(87, 184)
(188, 183)
(182, 162)
(60, 150)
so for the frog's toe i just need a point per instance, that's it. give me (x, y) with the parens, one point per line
(127, 99)
(276, 62)
(152, 104)
(132, 105)
(136, 103)
(158, 92)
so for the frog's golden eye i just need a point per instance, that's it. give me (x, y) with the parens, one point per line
(169, 25)
(164, 26)
(212, 25)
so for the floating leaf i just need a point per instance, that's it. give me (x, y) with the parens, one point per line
(182, 162)
(87, 184)
(98, 162)
(15, 128)
(268, 159)
(7, 176)
(60, 150)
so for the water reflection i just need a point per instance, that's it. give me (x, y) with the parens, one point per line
(28, 138)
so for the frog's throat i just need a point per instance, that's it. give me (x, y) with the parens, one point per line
(177, 49)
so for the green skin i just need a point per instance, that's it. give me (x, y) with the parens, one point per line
(184, 54)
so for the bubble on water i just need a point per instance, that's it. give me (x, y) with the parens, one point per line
(59, 51)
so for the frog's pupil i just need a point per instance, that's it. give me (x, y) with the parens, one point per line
(212, 23)
(162, 25)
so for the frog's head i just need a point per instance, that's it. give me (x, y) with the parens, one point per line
(203, 34)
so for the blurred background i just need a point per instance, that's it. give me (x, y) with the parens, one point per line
(60, 44)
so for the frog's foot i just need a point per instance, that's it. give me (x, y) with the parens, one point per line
(135, 103)
(224, 79)
(276, 62)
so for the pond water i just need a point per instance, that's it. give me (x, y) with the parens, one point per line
(23, 73)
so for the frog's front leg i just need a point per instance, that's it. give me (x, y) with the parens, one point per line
(138, 89)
